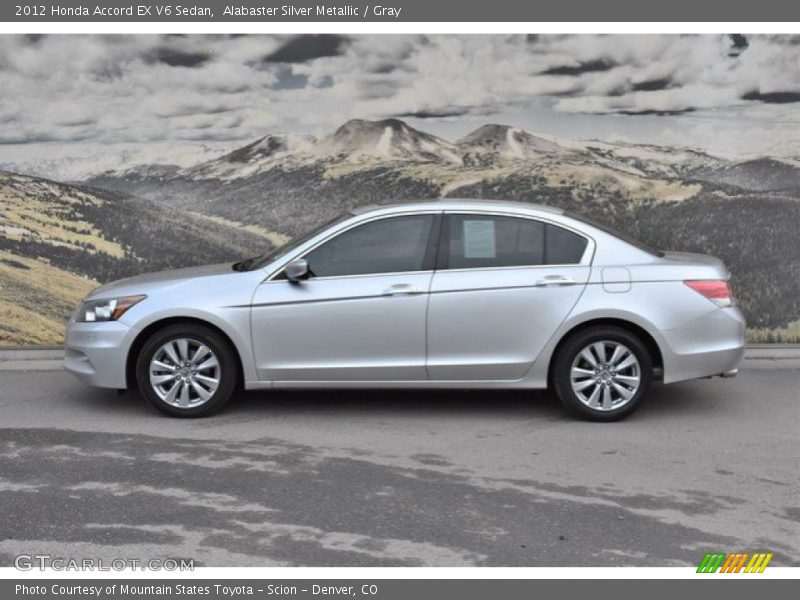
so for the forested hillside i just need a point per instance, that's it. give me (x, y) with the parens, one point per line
(59, 241)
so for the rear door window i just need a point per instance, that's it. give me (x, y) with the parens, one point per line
(486, 241)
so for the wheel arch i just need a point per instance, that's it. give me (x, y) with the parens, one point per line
(144, 335)
(640, 332)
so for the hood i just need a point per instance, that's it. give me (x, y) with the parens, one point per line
(140, 283)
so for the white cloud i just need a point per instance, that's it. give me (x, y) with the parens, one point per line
(146, 89)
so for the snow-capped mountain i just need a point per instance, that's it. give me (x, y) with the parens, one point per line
(492, 143)
(390, 139)
(637, 171)
(361, 144)
(357, 141)
(275, 150)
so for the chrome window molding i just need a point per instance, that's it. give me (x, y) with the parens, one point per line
(586, 259)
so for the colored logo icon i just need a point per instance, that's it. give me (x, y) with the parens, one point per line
(738, 562)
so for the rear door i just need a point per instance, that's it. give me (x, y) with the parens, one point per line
(502, 287)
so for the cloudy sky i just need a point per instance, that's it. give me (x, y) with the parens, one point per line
(69, 94)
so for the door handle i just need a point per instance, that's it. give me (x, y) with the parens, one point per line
(549, 280)
(402, 289)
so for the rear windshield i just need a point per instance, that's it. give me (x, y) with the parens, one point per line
(624, 237)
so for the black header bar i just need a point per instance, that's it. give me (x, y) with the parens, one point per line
(399, 11)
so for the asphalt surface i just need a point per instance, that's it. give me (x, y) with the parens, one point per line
(401, 478)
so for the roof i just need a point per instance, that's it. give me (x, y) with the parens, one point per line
(457, 203)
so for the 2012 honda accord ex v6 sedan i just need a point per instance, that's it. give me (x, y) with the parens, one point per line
(444, 294)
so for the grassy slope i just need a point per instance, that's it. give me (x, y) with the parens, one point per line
(36, 299)
(58, 241)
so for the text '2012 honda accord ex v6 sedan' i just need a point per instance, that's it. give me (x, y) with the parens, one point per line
(444, 294)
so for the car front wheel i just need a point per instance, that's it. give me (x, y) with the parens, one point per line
(602, 373)
(187, 370)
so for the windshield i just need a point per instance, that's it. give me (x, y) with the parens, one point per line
(623, 236)
(257, 262)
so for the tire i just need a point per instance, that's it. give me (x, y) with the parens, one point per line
(604, 391)
(203, 357)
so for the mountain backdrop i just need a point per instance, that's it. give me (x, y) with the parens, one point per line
(57, 240)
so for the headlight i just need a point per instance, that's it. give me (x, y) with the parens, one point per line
(107, 309)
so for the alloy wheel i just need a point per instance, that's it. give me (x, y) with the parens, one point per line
(184, 372)
(605, 375)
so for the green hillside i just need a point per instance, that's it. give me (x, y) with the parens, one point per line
(58, 241)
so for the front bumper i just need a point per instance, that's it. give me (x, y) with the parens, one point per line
(706, 347)
(96, 353)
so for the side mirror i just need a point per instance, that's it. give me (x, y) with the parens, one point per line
(297, 270)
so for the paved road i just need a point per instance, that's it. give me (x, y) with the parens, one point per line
(401, 478)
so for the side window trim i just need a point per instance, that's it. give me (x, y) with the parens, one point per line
(434, 243)
(545, 231)
(443, 258)
(443, 250)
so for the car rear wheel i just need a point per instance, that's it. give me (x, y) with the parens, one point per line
(187, 370)
(602, 373)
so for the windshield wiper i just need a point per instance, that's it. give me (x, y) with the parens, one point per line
(244, 265)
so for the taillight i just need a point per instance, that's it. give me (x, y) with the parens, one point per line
(716, 290)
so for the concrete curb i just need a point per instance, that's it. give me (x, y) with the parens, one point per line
(31, 365)
(37, 358)
(21, 354)
(48, 358)
(773, 351)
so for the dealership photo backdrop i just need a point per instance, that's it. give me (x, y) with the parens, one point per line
(126, 154)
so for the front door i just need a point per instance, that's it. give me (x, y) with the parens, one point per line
(360, 316)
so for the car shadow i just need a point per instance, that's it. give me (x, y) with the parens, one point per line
(690, 399)
(695, 399)
(405, 402)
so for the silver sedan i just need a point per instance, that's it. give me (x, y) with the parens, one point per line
(446, 294)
